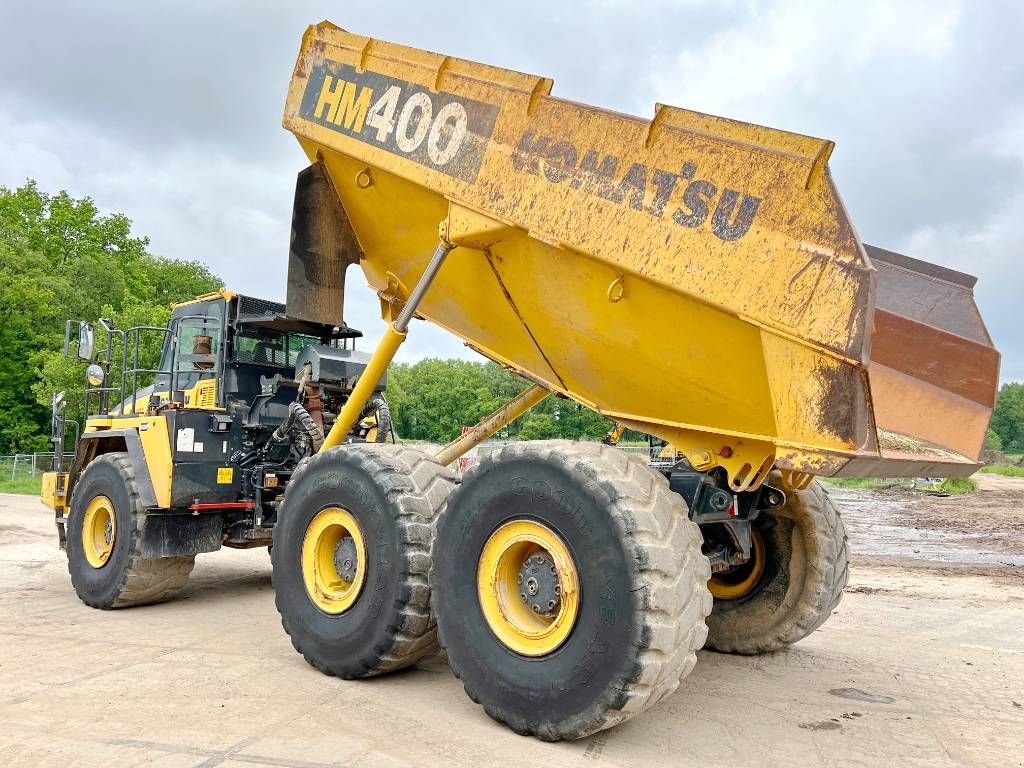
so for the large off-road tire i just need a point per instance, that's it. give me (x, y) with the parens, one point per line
(107, 569)
(641, 598)
(801, 583)
(383, 499)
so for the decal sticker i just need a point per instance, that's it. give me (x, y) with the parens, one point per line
(442, 131)
(186, 439)
(695, 202)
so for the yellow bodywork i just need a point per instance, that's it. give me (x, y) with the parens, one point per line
(221, 293)
(53, 492)
(691, 277)
(156, 447)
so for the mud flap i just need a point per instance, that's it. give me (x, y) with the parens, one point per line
(174, 535)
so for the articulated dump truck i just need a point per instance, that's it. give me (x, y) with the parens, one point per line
(691, 277)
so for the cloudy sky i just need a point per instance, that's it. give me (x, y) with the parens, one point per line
(170, 112)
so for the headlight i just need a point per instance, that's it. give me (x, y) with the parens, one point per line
(94, 375)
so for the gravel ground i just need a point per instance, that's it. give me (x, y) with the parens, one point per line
(922, 665)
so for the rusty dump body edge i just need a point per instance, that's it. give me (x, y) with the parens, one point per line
(690, 276)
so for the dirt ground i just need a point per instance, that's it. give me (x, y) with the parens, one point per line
(922, 665)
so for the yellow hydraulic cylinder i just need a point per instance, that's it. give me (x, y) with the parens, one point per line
(378, 364)
(508, 413)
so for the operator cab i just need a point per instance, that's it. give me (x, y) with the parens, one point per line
(221, 348)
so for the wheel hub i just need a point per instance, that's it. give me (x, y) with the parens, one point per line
(539, 587)
(99, 531)
(333, 560)
(528, 587)
(346, 559)
(741, 581)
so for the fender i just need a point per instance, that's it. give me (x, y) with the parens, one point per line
(96, 443)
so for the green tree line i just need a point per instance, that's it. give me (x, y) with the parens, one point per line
(60, 259)
(433, 399)
(1006, 432)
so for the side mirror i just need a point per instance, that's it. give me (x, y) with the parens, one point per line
(86, 340)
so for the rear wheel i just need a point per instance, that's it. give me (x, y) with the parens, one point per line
(104, 540)
(351, 556)
(569, 587)
(792, 582)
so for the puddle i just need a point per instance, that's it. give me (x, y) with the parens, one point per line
(878, 526)
(856, 694)
(824, 725)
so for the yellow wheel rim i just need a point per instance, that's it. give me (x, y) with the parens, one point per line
(741, 580)
(515, 577)
(99, 531)
(333, 560)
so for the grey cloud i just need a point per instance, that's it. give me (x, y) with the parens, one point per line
(171, 112)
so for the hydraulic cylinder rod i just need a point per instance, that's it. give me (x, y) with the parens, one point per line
(384, 353)
(508, 413)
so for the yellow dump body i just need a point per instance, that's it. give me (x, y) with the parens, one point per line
(693, 277)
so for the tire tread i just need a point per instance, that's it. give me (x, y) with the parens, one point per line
(671, 577)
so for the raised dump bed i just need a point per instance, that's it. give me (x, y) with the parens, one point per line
(689, 276)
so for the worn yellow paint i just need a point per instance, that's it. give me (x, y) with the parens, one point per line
(510, 618)
(689, 276)
(49, 494)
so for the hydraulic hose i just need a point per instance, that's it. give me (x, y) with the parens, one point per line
(299, 420)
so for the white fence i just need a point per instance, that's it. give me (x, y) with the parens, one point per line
(32, 465)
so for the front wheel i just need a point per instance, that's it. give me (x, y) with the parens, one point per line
(792, 582)
(104, 541)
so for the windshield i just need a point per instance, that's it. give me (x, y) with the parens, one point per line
(262, 346)
(198, 340)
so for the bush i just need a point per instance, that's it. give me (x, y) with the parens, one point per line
(956, 486)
